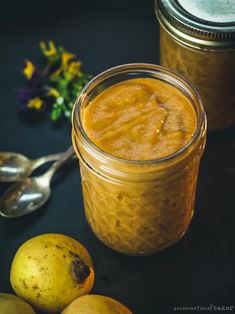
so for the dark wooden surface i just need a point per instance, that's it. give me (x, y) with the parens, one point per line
(198, 270)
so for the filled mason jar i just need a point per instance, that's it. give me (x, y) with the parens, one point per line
(197, 39)
(137, 206)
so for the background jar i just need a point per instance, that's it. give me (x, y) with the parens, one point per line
(197, 39)
(138, 207)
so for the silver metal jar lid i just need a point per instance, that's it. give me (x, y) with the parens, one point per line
(199, 22)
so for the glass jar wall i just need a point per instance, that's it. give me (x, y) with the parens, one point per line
(203, 51)
(138, 207)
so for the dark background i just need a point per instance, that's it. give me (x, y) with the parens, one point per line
(198, 270)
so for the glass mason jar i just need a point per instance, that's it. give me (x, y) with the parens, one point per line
(138, 207)
(197, 39)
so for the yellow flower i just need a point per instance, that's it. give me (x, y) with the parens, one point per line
(53, 92)
(74, 68)
(49, 51)
(54, 76)
(29, 69)
(65, 58)
(35, 103)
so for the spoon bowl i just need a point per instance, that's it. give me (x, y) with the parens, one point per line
(25, 197)
(14, 167)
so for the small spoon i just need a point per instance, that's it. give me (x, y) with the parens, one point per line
(30, 194)
(14, 167)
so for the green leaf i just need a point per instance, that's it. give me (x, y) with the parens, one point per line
(56, 113)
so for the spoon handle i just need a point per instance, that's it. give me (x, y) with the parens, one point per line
(40, 161)
(64, 156)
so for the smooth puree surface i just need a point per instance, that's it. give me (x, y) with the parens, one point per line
(140, 119)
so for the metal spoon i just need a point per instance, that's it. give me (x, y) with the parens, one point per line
(30, 194)
(14, 167)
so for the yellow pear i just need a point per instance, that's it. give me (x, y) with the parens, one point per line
(11, 304)
(96, 304)
(50, 271)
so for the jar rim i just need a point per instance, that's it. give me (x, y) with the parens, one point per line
(138, 68)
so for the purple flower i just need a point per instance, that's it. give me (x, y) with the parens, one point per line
(23, 97)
